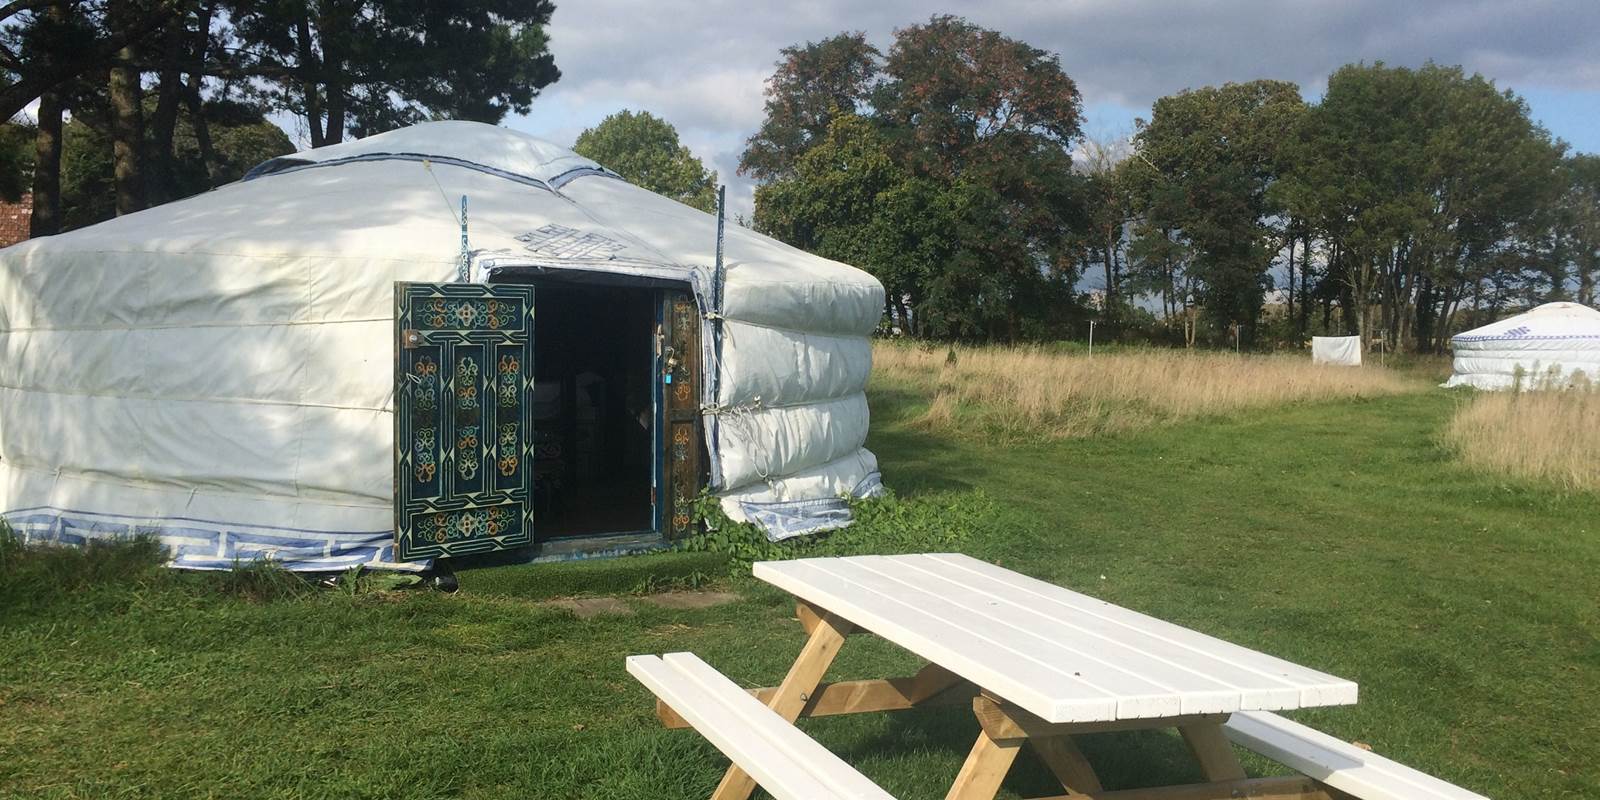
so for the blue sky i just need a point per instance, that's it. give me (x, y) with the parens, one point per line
(701, 65)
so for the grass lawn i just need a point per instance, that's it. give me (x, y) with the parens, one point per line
(1338, 535)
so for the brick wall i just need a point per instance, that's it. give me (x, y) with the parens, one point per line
(14, 221)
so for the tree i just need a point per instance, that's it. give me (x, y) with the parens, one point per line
(1158, 255)
(359, 66)
(16, 159)
(240, 138)
(644, 149)
(828, 203)
(47, 44)
(127, 118)
(366, 66)
(943, 168)
(1578, 224)
(1428, 186)
(963, 96)
(813, 84)
(1106, 214)
(1220, 149)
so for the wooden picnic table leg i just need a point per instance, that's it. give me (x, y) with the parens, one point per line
(1066, 762)
(1008, 725)
(985, 768)
(828, 632)
(1210, 747)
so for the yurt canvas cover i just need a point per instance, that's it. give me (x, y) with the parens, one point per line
(222, 371)
(1550, 346)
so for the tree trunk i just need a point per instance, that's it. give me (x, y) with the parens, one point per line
(164, 121)
(1305, 288)
(309, 69)
(332, 25)
(1111, 285)
(127, 133)
(193, 100)
(1289, 310)
(47, 167)
(336, 113)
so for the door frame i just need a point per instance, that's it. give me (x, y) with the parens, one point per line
(606, 545)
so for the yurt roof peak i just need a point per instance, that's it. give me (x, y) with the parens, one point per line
(488, 148)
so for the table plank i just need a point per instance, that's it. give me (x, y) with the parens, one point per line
(1136, 697)
(1170, 653)
(1091, 646)
(1315, 688)
(1061, 655)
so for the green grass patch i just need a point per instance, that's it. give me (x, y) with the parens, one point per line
(638, 574)
(1341, 535)
(934, 522)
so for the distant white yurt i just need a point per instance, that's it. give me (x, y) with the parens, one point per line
(325, 365)
(1549, 347)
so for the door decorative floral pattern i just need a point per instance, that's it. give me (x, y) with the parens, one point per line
(682, 379)
(462, 428)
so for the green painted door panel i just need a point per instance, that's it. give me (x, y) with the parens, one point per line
(463, 426)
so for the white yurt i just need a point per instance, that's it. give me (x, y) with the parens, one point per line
(444, 340)
(1551, 346)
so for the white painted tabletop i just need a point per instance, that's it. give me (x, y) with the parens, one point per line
(1064, 656)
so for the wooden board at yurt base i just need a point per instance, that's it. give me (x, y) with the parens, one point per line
(1550, 347)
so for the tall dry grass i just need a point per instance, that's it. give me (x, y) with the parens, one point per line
(1034, 391)
(1549, 435)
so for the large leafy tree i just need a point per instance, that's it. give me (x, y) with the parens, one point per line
(1427, 186)
(365, 66)
(962, 96)
(942, 168)
(1577, 224)
(644, 149)
(239, 138)
(1219, 149)
(342, 66)
(814, 83)
(16, 159)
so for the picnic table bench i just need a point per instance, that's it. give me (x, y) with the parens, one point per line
(1039, 665)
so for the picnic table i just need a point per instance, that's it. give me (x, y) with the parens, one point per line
(1039, 665)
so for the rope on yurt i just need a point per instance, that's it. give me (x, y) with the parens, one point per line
(464, 261)
(464, 269)
(743, 419)
(714, 315)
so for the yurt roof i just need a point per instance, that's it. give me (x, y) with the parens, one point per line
(395, 197)
(1549, 321)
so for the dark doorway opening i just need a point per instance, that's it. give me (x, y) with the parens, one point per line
(594, 410)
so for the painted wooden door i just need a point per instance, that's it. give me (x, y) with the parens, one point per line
(463, 427)
(680, 392)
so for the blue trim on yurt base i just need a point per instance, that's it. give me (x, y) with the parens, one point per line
(786, 519)
(209, 544)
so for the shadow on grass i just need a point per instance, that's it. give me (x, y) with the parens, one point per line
(917, 460)
(108, 575)
(1123, 760)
